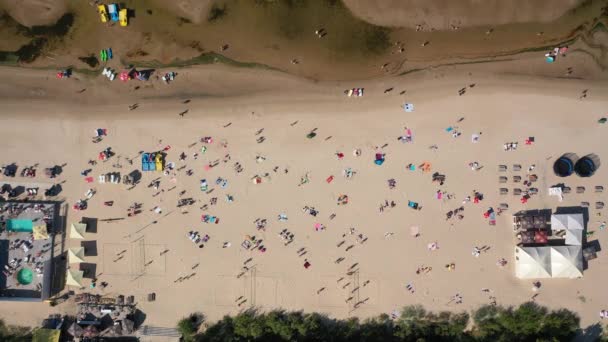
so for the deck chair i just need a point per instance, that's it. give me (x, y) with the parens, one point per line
(566, 190)
(516, 179)
(502, 168)
(517, 191)
(504, 191)
(585, 204)
(599, 205)
(580, 189)
(502, 179)
(516, 167)
(599, 188)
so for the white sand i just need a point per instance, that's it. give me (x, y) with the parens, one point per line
(57, 125)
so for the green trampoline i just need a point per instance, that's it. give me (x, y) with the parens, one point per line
(16, 225)
(25, 276)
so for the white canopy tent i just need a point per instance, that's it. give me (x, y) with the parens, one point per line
(531, 262)
(567, 222)
(549, 262)
(574, 237)
(566, 262)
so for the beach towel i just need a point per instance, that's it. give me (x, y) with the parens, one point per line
(408, 107)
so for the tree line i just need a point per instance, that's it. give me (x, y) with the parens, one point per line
(527, 322)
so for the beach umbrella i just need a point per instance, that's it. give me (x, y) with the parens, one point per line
(128, 326)
(40, 233)
(563, 167)
(74, 278)
(77, 230)
(90, 331)
(585, 167)
(75, 330)
(540, 236)
(76, 255)
(550, 59)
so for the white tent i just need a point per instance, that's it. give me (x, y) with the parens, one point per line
(567, 221)
(566, 261)
(549, 262)
(574, 237)
(532, 262)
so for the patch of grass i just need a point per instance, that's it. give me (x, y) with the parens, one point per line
(8, 57)
(91, 60)
(205, 58)
(29, 52)
(59, 29)
(182, 20)
(217, 12)
(377, 39)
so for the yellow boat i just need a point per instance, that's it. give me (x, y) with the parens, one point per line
(122, 17)
(103, 13)
(159, 162)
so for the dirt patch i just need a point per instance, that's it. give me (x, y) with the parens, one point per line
(194, 10)
(35, 12)
(441, 14)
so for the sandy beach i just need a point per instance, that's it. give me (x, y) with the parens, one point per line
(46, 121)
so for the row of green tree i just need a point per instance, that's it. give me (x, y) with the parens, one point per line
(527, 322)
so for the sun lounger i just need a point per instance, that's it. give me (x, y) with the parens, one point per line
(599, 188)
(599, 205)
(159, 163)
(504, 191)
(580, 189)
(102, 179)
(517, 191)
(516, 179)
(503, 206)
(585, 204)
(566, 190)
(151, 164)
(145, 160)
(516, 167)
(502, 168)
(502, 179)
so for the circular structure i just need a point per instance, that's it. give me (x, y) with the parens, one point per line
(25, 276)
(563, 167)
(585, 167)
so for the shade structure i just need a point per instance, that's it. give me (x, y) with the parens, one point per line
(549, 262)
(532, 262)
(585, 167)
(567, 222)
(74, 278)
(574, 237)
(75, 330)
(540, 236)
(76, 255)
(40, 232)
(77, 230)
(563, 167)
(566, 262)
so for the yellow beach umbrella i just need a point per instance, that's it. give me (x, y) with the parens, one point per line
(40, 232)
(77, 230)
(74, 278)
(76, 255)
